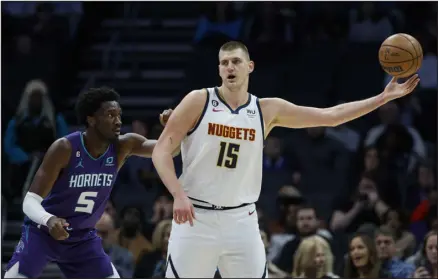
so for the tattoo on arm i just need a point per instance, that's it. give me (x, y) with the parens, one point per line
(171, 141)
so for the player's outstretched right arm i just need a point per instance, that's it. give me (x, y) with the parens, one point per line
(55, 159)
(181, 121)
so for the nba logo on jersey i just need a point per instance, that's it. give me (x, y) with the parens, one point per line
(109, 162)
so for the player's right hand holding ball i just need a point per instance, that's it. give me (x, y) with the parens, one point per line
(57, 228)
(183, 210)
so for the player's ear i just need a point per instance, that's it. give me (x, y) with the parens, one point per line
(250, 67)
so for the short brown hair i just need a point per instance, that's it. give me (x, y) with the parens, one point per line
(385, 231)
(233, 45)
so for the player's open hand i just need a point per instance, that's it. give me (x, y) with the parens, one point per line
(183, 210)
(396, 90)
(57, 228)
(164, 116)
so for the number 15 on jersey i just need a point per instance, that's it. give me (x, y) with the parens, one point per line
(228, 155)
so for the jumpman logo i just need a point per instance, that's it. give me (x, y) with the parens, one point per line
(79, 164)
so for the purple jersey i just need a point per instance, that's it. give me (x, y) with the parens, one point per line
(82, 189)
(79, 195)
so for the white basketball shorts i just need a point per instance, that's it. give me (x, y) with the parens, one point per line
(228, 240)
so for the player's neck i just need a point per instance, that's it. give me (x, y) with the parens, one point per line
(94, 144)
(234, 98)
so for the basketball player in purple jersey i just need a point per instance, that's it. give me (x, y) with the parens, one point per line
(70, 190)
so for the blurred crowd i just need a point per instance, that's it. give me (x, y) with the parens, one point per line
(308, 23)
(336, 202)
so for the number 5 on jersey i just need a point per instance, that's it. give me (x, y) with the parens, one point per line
(85, 202)
(228, 155)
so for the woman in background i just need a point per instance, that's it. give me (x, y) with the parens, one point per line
(362, 260)
(427, 262)
(35, 126)
(313, 259)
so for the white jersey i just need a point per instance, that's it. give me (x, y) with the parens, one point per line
(223, 154)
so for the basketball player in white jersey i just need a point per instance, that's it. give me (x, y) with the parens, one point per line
(221, 131)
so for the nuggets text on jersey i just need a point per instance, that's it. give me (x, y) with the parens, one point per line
(225, 131)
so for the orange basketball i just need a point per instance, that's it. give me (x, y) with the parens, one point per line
(401, 55)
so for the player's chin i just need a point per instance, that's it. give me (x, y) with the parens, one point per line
(232, 83)
(114, 135)
(116, 132)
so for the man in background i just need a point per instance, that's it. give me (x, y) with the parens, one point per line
(120, 257)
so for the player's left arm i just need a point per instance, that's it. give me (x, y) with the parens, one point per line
(281, 113)
(137, 145)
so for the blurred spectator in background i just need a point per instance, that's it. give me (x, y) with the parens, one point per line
(313, 259)
(34, 128)
(307, 225)
(317, 153)
(426, 262)
(111, 209)
(153, 263)
(362, 260)
(120, 257)
(390, 170)
(364, 206)
(371, 160)
(422, 186)
(372, 163)
(386, 250)
(398, 223)
(273, 154)
(368, 24)
(422, 199)
(284, 229)
(138, 179)
(132, 236)
(138, 172)
(272, 269)
(163, 209)
(395, 141)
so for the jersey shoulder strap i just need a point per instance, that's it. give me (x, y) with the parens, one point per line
(204, 110)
